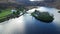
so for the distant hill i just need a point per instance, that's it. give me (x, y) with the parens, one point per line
(50, 3)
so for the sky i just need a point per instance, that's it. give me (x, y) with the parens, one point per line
(36, 0)
(30, 0)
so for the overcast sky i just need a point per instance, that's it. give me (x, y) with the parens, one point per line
(33, 0)
(29, 0)
(36, 0)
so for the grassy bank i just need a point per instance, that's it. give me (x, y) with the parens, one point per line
(4, 13)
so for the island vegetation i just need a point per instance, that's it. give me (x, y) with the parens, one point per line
(43, 16)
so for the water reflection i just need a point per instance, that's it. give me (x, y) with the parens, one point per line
(43, 28)
(34, 26)
(9, 27)
(29, 25)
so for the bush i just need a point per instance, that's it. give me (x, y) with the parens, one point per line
(18, 12)
(14, 12)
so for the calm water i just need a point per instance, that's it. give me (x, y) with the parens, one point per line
(29, 25)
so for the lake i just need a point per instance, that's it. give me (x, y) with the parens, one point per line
(27, 24)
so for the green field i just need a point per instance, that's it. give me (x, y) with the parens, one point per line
(4, 13)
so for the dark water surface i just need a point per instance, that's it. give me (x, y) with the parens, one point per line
(34, 26)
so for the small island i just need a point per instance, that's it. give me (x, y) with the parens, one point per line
(43, 16)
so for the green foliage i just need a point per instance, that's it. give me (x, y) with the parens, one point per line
(4, 14)
(16, 13)
(43, 16)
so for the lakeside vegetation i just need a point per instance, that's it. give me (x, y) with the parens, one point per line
(6, 14)
(43, 16)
